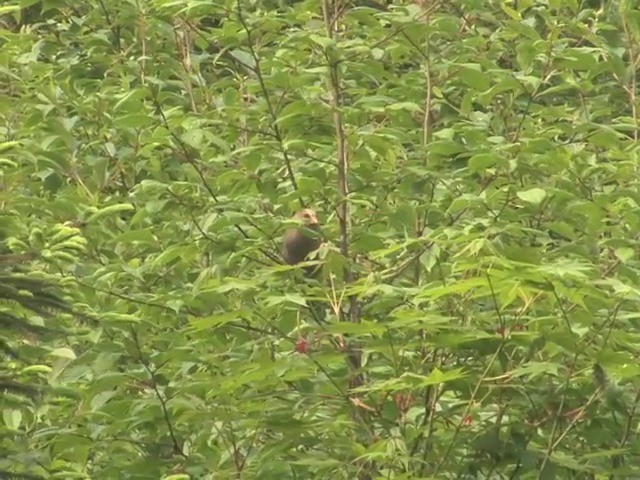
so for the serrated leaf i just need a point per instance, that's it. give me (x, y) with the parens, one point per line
(409, 106)
(475, 78)
(625, 254)
(534, 195)
(286, 299)
(64, 353)
(12, 418)
(135, 120)
(36, 369)
(4, 146)
(410, 381)
(482, 161)
(324, 42)
(171, 254)
(120, 317)
(216, 320)
(110, 210)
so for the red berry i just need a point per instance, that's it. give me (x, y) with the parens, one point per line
(302, 346)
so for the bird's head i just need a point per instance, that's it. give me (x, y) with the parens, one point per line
(308, 217)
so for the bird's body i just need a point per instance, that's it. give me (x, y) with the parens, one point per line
(297, 245)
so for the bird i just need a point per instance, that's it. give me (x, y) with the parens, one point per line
(297, 244)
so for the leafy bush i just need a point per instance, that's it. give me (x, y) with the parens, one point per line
(474, 165)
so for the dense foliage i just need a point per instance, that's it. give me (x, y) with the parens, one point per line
(475, 168)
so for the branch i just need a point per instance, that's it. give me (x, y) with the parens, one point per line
(344, 215)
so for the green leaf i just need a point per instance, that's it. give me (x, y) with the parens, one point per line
(110, 210)
(135, 120)
(12, 418)
(625, 254)
(64, 353)
(5, 146)
(535, 195)
(483, 161)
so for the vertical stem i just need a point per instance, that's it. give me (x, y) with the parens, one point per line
(631, 86)
(343, 208)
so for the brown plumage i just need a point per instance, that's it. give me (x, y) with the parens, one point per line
(297, 245)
